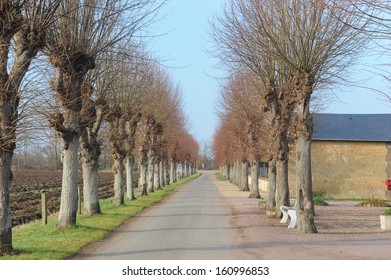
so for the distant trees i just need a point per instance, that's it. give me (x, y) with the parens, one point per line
(239, 107)
(292, 48)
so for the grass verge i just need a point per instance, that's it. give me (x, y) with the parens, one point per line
(220, 176)
(35, 241)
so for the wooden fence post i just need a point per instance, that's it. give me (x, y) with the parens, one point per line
(44, 208)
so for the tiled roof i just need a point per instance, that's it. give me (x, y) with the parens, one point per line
(352, 127)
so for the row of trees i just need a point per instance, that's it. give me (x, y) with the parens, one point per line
(104, 88)
(279, 53)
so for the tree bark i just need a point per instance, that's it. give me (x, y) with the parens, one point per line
(162, 173)
(69, 197)
(143, 176)
(90, 188)
(282, 188)
(118, 182)
(254, 191)
(186, 168)
(5, 209)
(89, 157)
(302, 87)
(172, 172)
(156, 176)
(129, 178)
(282, 184)
(244, 177)
(151, 171)
(305, 204)
(271, 197)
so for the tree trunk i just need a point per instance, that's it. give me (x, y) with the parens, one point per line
(5, 210)
(186, 168)
(151, 171)
(90, 188)
(244, 177)
(129, 178)
(69, 197)
(89, 157)
(118, 182)
(271, 196)
(167, 172)
(162, 173)
(237, 173)
(302, 87)
(282, 187)
(254, 191)
(156, 176)
(172, 172)
(305, 204)
(143, 176)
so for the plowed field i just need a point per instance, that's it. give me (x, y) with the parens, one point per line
(28, 184)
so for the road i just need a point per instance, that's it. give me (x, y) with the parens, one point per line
(193, 223)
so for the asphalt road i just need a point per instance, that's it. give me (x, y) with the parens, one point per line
(193, 223)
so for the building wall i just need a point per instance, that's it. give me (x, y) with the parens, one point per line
(347, 169)
(388, 159)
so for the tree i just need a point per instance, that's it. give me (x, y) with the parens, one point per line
(323, 47)
(294, 46)
(240, 99)
(240, 45)
(22, 35)
(86, 29)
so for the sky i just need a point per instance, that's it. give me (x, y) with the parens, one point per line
(183, 46)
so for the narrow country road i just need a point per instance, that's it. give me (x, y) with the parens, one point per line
(193, 223)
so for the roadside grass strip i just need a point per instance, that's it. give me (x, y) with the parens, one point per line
(34, 241)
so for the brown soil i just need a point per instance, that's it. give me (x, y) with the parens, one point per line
(26, 190)
(346, 231)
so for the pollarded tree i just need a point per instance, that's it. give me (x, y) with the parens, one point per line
(158, 116)
(126, 99)
(239, 45)
(312, 42)
(23, 26)
(86, 29)
(241, 98)
(325, 42)
(98, 83)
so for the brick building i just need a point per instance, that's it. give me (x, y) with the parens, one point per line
(351, 156)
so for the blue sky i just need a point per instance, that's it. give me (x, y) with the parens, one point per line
(183, 46)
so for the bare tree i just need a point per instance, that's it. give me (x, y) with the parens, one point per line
(125, 102)
(84, 30)
(311, 43)
(323, 47)
(96, 86)
(240, 45)
(22, 34)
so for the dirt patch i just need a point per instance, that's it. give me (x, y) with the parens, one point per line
(346, 231)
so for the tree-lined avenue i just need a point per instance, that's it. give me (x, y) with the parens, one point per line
(193, 223)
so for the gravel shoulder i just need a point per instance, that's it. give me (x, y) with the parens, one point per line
(346, 231)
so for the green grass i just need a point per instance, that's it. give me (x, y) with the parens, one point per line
(375, 202)
(35, 241)
(220, 176)
(319, 198)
